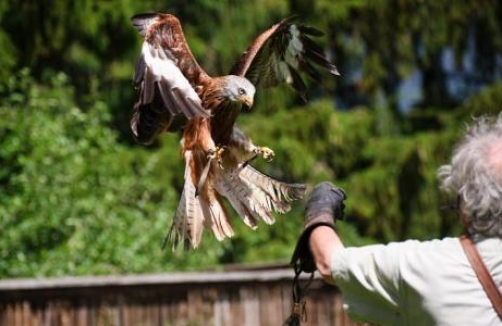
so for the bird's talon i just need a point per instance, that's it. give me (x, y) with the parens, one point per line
(216, 154)
(267, 153)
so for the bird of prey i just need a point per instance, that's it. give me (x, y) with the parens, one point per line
(177, 94)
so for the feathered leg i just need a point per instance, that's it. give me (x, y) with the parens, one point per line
(245, 151)
(213, 155)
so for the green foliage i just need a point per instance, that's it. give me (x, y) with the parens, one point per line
(486, 102)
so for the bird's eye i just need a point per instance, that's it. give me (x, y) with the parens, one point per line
(242, 91)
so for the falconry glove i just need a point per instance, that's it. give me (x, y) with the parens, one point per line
(324, 207)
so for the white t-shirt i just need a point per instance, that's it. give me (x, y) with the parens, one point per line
(417, 283)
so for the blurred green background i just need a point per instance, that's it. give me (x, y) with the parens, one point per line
(78, 196)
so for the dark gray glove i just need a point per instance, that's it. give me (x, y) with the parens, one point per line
(324, 207)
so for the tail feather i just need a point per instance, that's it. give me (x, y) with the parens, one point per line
(197, 211)
(254, 196)
(217, 219)
(188, 221)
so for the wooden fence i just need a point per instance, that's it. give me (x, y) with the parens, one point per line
(228, 298)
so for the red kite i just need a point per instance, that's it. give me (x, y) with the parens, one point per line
(176, 94)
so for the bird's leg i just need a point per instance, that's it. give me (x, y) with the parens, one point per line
(267, 153)
(212, 154)
(216, 154)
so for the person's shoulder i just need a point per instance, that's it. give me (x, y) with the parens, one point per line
(488, 244)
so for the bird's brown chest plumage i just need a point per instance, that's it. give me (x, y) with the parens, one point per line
(222, 122)
(223, 111)
(206, 133)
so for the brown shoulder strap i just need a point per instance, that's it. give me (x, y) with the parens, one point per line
(483, 274)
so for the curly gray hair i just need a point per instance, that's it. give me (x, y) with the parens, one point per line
(475, 175)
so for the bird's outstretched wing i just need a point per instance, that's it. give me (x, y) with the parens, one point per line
(279, 54)
(166, 74)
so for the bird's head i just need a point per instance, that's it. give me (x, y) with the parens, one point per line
(239, 89)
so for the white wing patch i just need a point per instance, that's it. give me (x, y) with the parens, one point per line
(176, 92)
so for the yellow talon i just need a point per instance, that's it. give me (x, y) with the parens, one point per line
(217, 154)
(267, 153)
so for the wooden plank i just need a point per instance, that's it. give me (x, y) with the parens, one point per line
(3, 315)
(80, 316)
(38, 313)
(340, 318)
(134, 317)
(18, 314)
(236, 310)
(286, 299)
(270, 306)
(222, 310)
(180, 312)
(105, 314)
(152, 314)
(200, 310)
(250, 302)
(324, 308)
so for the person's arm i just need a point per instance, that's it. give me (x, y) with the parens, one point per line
(324, 242)
(323, 208)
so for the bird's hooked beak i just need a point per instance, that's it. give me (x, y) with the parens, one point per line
(247, 100)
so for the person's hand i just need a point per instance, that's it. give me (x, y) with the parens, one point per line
(325, 199)
(324, 207)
